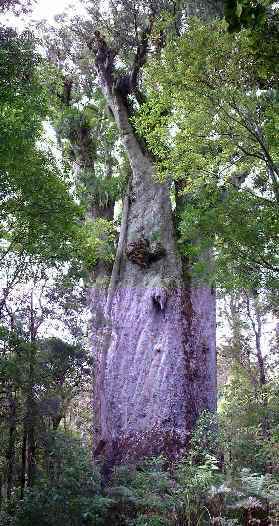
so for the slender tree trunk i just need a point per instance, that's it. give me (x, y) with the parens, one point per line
(31, 444)
(258, 341)
(11, 446)
(23, 461)
(31, 405)
(1, 491)
(256, 322)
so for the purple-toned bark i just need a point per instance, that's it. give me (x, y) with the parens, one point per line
(154, 336)
(154, 330)
(152, 381)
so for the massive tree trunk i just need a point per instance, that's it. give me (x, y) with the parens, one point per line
(156, 364)
(156, 368)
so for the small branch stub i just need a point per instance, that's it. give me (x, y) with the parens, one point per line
(159, 298)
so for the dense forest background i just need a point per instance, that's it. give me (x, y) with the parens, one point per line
(205, 105)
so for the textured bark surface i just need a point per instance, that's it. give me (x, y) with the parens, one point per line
(205, 9)
(155, 345)
(154, 381)
(154, 335)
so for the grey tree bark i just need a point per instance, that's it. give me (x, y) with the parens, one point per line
(205, 9)
(255, 318)
(156, 367)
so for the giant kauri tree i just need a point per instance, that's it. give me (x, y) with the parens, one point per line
(153, 322)
(154, 341)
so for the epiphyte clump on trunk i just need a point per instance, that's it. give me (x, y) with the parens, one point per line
(143, 252)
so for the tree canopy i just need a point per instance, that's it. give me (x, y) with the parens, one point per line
(211, 123)
(38, 214)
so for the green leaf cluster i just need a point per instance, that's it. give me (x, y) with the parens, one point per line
(244, 13)
(211, 121)
(96, 242)
(38, 213)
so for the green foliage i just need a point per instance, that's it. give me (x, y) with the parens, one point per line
(243, 409)
(65, 370)
(246, 251)
(251, 496)
(71, 495)
(38, 215)
(244, 13)
(6, 519)
(142, 493)
(39, 378)
(194, 483)
(96, 242)
(74, 129)
(205, 442)
(209, 120)
(103, 191)
(151, 520)
(153, 493)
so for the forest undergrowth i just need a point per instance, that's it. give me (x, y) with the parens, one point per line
(209, 486)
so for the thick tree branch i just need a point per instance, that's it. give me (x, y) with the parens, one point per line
(119, 252)
(66, 95)
(104, 58)
(141, 54)
(104, 62)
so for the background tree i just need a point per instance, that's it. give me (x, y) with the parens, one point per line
(247, 389)
(244, 13)
(40, 376)
(39, 217)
